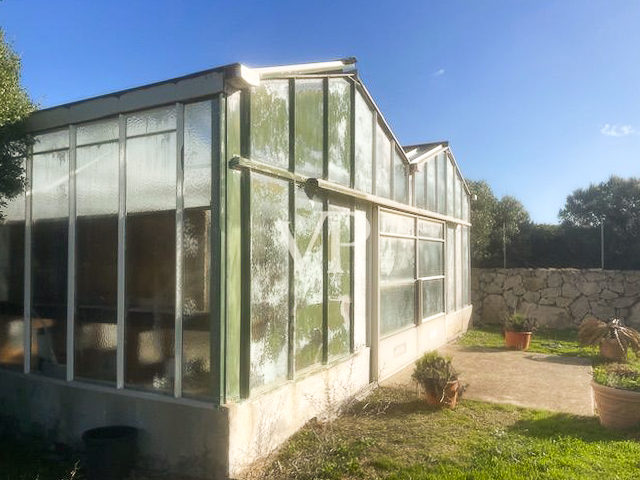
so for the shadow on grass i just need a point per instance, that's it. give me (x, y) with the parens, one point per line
(587, 429)
(392, 401)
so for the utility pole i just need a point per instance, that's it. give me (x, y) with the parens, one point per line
(504, 244)
(602, 244)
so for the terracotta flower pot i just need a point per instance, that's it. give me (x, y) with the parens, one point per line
(517, 340)
(450, 397)
(616, 407)
(610, 348)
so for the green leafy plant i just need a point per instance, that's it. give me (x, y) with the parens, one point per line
(595, 332)
(434, 373)
(518, 322)
(618, 375)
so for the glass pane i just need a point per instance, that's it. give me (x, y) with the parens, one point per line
(430, 172)
(309, 138)
(50, 210)
(432, 297)
(431, 257)
(151, 173)
(383, 163)
(150, 300)
(196, 318)
(456, 196)
(197, 155)
(270, 123)
(430, 229)
(97, 132)
(361, 234)
(464, 201)
(397, 259)
(441, 187)
(364, 145)
(97, 180)
(151, 121)
(12, 284)
(401, 179)
(308, 280)
(465, 266)
(458, 241)
(451, 268)
(339, 131)
(419, 191)
(339, 278)
(396, 307)
(96, 261)
(51, 141)
(450, 189)
(269, 279)
(400, 224)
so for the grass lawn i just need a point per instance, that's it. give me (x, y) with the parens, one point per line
(551, 342)
(394, 435)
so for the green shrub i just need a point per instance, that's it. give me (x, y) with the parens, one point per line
(433, 371)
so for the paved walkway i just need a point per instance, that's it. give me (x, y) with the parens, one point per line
(549, 382)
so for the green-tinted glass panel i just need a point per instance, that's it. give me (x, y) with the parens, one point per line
(459, 269)
(197, 154)
(397, 259)
(339, 278)
(397, 305)
(400, 179)
(270, 123)
(457, 197)
(399, 224)
(430, 172)
(465, 266)
(269, 279)
(383, 163)
(97, 191)
(339, 131)
(427, 228)
(441, 187)
(364, 145)
(431, 258)
(361, 235)
(432, 297)
(450, 189)
(50, 214)
(308, 280)
(12, 284)
(51, 141)
(451, 268)
(419, 187)
(309, 137)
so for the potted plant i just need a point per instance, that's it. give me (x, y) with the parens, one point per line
(518, 329)
(438, 379)
(612, 337)
(616, 389)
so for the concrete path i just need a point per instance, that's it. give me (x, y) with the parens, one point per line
(549, 382)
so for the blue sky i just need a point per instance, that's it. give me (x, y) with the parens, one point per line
(536, 97)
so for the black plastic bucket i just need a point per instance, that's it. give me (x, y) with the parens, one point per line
(111, 452)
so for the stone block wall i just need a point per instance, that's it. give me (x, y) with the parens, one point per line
(555, 297)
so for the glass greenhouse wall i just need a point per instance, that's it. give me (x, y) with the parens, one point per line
(224, 245)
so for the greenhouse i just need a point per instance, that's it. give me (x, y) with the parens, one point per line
(218, 258)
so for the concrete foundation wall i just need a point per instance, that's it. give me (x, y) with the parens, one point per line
(556, 297)
(259, 425)
(176, 435)
(402, 348)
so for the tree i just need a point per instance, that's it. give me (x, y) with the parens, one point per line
(615, 204)
(15, 107)
(494, 224)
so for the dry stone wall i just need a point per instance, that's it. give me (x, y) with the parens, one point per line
(555, 297)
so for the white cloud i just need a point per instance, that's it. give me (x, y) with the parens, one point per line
(617, 130)
(438, 73)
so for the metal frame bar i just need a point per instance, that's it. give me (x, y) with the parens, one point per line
(122, 218)
(291, 327)
(178, 333)
(245, 229)
(330, 187)
(71, 258)
(27, 261)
